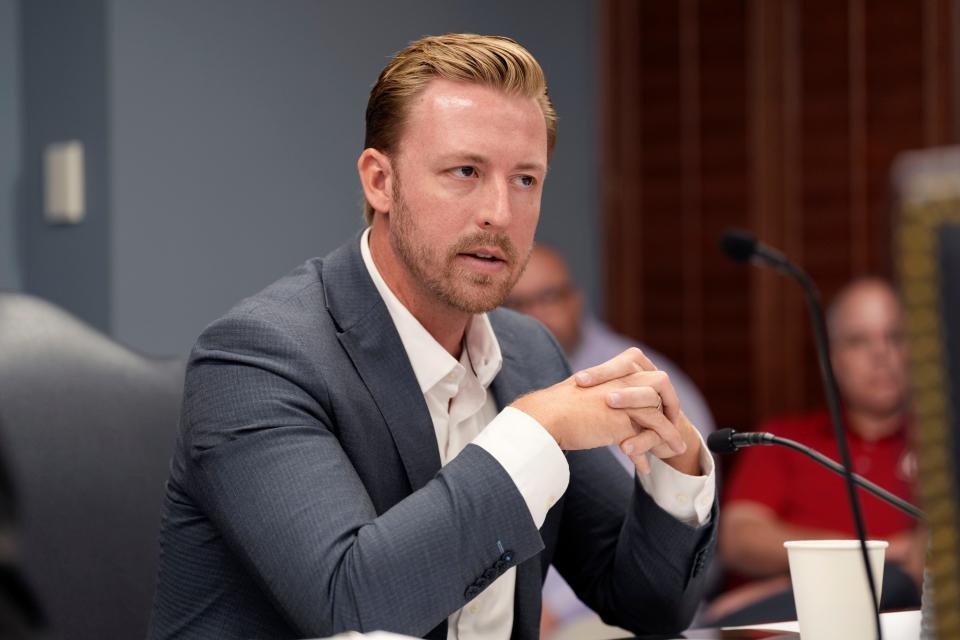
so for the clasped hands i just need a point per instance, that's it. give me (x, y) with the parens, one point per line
(625, 401)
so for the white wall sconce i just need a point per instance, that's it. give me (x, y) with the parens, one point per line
(63, 183)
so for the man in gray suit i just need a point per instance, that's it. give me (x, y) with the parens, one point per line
(368, 444)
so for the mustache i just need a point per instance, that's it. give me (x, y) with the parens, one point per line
(486, 239)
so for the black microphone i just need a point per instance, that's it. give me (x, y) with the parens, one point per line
(729, 441)
(742, 246)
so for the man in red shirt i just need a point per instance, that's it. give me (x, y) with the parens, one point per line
(775, 494)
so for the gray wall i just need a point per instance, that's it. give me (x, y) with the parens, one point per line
(63, 61)
(9, 141)
(232, 132)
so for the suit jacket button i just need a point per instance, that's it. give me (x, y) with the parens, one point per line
(472, 592)
(507, 556)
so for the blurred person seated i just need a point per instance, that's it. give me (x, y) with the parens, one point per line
(547, 292)
(775, 494)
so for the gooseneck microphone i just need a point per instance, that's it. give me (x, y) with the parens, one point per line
(730, 441)
(742, 246)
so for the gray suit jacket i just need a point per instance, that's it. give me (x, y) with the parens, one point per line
(306, 495)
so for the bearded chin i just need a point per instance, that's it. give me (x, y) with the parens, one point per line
(464, 290)
(436, 274)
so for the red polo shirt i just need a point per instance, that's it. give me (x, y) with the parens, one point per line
(803, 493)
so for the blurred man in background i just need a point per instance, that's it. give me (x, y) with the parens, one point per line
(776, 495)
(547, 292)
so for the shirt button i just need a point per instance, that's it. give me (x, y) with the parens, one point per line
(682, 498)
(474, 609)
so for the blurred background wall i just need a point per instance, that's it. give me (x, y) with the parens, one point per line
(9, 141)
(221, 139)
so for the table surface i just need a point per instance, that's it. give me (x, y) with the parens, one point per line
(897, 625)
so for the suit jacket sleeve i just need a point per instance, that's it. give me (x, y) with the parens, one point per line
(266, 466)
(631, 562)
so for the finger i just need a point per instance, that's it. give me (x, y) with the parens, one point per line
(634, 398)
(656, 421)
(660, 382)
(637, 447)
(641, 443)
(626, 363)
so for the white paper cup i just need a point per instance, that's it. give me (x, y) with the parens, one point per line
(830, 588)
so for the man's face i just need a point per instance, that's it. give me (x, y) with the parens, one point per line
(467, 181)
(868, 351)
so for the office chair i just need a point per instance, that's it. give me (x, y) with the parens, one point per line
(87, 428)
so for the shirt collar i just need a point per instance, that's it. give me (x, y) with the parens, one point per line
(430, 361)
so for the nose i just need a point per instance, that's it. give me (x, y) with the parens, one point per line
(496, 212)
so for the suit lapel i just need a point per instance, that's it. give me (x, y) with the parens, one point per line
(514, 378)
(370, 338)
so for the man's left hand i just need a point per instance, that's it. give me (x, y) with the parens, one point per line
(636, 447)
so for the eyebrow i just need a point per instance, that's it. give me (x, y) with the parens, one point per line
(477, 159)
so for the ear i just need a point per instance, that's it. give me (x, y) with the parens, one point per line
(376, 178)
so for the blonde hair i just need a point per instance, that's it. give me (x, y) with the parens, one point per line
(494, 61)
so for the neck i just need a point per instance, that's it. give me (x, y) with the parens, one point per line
(446, 325)
(872, 426)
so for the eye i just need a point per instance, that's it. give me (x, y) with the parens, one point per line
(526, 181)
(855, 341)
(464, 172)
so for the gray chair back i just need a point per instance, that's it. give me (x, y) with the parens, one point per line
(87, 429)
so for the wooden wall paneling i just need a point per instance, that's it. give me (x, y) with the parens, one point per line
(941, 63)
(661, 171)
(621, 118)
(951, 71)
(896, 118)
(778, 365)
(727, 376)
(857, 116)
(830, 224)
(691, 229)
(796, 329)
(779, 116)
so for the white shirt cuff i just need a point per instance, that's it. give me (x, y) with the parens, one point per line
(530, 456)
(689, 499)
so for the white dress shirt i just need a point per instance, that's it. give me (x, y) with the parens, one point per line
(463, 412)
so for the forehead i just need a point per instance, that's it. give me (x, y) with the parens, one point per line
(544, 270)
(465, 117)
(869, 306)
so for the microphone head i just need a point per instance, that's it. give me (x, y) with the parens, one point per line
(738, 245)
(721, 441)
